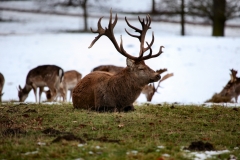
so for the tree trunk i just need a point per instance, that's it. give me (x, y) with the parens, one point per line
(218, 17)
(154, 7)
(182, 18)
(85, 15)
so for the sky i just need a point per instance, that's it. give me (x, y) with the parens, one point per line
(201, 64)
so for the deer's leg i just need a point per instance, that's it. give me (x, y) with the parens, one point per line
(35, 91)
(70, 95)
(40, 93)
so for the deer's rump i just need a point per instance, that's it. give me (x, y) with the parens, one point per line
(84, 94)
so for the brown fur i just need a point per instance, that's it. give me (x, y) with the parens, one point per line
(2, 81)
(148, 90)
(108, 68)
(103, 91)
(231, 90)
(41, 76)
(70, 80)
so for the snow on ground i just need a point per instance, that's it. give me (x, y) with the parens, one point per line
(200, 63)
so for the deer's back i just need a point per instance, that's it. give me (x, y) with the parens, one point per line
(43, 74)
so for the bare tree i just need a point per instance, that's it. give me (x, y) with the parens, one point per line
(217, 11)
(172, 8)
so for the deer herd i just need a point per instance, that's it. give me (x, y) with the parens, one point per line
(108, 87)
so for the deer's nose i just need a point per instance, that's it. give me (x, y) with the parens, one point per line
(157, 77)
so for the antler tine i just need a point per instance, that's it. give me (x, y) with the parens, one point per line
(150, 54)
(164, 78)
(141, 37)
(100, 30)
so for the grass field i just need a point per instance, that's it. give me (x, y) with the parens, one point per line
(161, 131)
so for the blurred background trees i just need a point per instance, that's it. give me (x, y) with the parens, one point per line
(211, 12)
(216, 12)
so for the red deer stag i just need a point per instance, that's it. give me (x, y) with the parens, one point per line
(2, 81)
(42, 76)
(103, 91)
(70, 80)
(148, 90)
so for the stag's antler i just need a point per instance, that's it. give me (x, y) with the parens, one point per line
(109, 33)
(162, 79)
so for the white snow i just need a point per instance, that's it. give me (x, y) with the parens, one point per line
(200, 63)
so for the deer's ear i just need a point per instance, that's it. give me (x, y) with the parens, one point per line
(130, 63)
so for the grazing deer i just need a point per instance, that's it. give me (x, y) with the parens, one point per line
(70, 80)
(232, 89)
(103, 91)
(2, 81)
(42, 76)
(148, 90)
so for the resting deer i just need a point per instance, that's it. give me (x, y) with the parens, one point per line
(42, 76)
(103, 91)
(148, 90)
(2, 81)
(232, 89)
(70, 80)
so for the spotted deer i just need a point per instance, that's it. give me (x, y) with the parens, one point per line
(70, 80)
(232, 88)
(103, 91)
(2, 81)
(148, 90)
(42, 76)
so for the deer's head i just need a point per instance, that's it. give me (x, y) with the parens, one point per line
(21, 94)
(135, 65)
(229, 89)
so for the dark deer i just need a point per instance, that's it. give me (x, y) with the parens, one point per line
(70, 80)
(148, 90)
(103, 91)
(232, 89)
(2, 81)
(229, 91)
(42, 76)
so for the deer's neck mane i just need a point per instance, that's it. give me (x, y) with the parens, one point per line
(126, 79)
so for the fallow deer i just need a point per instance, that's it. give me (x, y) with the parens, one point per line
(103, 91)
(42, 76)
(70, 80)
(232, 89)
(2, 81)
(148, 90)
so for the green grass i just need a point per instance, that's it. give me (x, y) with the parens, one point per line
(134, 135)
